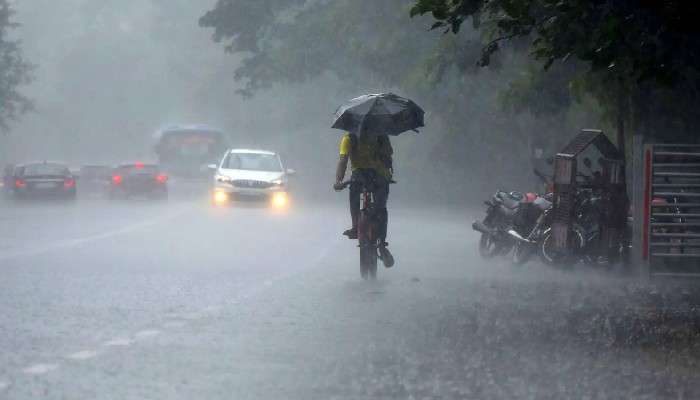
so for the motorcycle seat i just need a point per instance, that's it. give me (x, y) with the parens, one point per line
(511, 203)
(542, 203)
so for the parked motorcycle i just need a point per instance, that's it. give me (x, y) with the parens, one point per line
(526, 246)
(509, 217)
(500, 213)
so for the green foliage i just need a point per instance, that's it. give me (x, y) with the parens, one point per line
(243, 22)
(637, 40)
(633, 53)
(14, 71)
(542, 94)
(294, 41)
(374, 45)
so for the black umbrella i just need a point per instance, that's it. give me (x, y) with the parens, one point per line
(379, 114)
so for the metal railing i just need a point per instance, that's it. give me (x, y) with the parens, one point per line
(672, 206)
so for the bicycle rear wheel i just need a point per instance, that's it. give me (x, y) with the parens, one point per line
(368, 247)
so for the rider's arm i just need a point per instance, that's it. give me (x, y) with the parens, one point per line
(390, 156)
(341, 168)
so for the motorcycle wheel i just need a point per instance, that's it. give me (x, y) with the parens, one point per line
(522, 252)
(552, 257)
(488, 246)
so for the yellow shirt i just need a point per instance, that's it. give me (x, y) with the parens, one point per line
(370, 154)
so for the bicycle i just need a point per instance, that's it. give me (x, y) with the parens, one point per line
(368, 228)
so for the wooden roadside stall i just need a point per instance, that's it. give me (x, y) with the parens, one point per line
(574, 171)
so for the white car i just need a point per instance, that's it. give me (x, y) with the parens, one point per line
(256, 175)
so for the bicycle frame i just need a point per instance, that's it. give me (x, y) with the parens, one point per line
(367, 229)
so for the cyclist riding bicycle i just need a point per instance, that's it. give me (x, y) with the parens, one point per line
(370, 157)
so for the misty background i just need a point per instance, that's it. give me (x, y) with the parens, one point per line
(109, 74)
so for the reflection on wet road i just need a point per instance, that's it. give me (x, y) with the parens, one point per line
(181, 301)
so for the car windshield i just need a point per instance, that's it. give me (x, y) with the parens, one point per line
(253, 162)
(45, 169)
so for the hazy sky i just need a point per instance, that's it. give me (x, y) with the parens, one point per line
(111, 72)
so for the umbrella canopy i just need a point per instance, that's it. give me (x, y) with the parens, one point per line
(379, 114)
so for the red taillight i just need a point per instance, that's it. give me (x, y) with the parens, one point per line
(69, 183)
(162, 178)
(20, 183)
(117, 179)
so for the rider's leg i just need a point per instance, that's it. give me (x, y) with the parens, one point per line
(354, 211)
(381, 197)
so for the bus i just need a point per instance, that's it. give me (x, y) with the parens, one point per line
(186, 150)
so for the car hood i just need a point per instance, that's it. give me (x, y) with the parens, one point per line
(263, 176)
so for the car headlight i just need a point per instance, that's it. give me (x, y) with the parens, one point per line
(277, 182)
(280, 200)
(220, 197)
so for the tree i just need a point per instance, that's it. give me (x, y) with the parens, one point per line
(373, 45)
(635, 52)
(14, 71)
(290, 41)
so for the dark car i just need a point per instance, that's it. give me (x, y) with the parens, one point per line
(138, 180)
(8, 178)
(95, 180)
(43, 180)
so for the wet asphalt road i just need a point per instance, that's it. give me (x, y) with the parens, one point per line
(182, 301)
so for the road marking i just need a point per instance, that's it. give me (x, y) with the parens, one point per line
(147, 334)
(83, 355)
(62, 244)
(39, 369)
(118, 342)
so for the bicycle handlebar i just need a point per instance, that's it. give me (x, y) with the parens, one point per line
(344, 185)
(347, 183)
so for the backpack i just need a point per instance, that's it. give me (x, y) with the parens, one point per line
(384, 150)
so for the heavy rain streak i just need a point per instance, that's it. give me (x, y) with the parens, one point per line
(349, 199)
